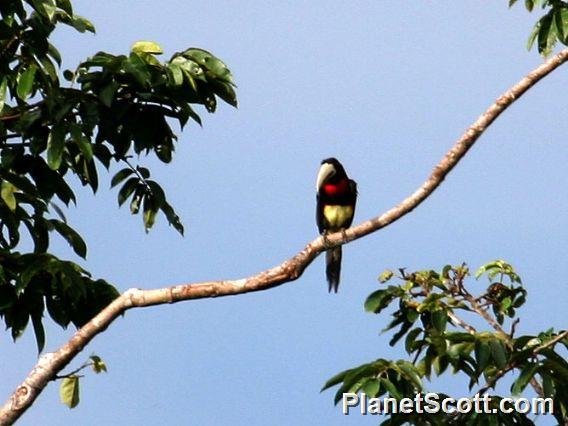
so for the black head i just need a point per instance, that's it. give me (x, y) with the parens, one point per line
(337, 166)
(330, 170)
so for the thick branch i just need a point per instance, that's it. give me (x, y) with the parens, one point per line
(51, 363)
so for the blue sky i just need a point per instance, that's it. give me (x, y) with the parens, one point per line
(386, 87)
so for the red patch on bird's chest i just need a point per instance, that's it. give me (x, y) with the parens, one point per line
(339, 188)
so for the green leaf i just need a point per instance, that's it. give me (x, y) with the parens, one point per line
(440, 364)
(98, 295)
(137, 68)
(439, 320)
(17, 318)
(498, 353)
(558, 367)
(532, 37)
(50, 8)
(149, 214)
(176, 73)
(482, 353)
(210, 62)
(3, 86)
(386, 275)
(173, 218)
(546, 35)
(56, 145)
(73, 238)
(25, 82)
(184, 113)
(157, 194)
(107, 94)
(81, 24)
(225, 91)
(65, 5)
(144, 172)
(547, 385)
(103, 154)
(39, 234)
(524, 378)
(164, 152)
(54, 53)
(127, 190)
(69, 391)
(82, 141)
(380, 299)
(7, 192)
(411, 338)
(459, 337)
(446, 271)
(68, 75)
(190, 68)
(335, 380)
(147, 47)
(390, 387)
(371, 387)
(561, 23)
(136, 200)
(38, 330)
(529, 4)
(120, 176)
(49, 69)
(411, 373)
(99, 365)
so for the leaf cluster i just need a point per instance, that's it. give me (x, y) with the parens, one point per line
(69, 391)
(428, 310)
(34, 282)
(551, 28)
(112, 109)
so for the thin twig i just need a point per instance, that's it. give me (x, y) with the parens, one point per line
(553, 342)
(458, 321)
(483, 313)
(137, 173)
(74, 372)
(22, 110)
(514, 327)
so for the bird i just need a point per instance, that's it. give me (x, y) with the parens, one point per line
(336, 196)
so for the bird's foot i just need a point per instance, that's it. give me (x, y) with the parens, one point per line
(343, 235)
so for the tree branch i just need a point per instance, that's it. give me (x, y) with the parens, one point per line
(17, 113)
(553, 342)
(487, 317)
(51, 363)
(538, 389)
(461, 323)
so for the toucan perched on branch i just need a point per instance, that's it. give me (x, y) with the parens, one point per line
(336, 198)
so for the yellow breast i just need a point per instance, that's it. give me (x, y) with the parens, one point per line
(337, 216)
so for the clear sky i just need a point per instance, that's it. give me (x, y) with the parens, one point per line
(384, 86)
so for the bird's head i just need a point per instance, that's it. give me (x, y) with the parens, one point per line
(330, 171)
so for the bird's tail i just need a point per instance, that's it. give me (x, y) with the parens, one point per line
(333, 267)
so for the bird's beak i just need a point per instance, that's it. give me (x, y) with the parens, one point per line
(326, 171)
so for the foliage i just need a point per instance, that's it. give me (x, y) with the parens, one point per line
(429, 307)
(110, 109)
(550, 28)
(69, 387)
